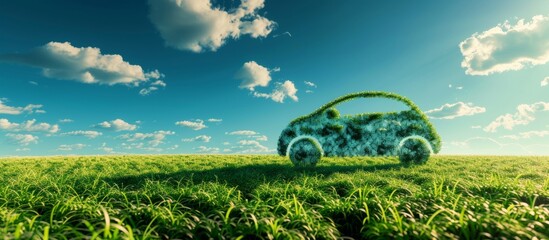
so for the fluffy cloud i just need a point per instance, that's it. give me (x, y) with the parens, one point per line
(529, 134)
(154, 139)
(215, 120)
(70, 147)
(524, 115)
(28, 126)
(545, 82)
(507, 47)
(22, 139)
(204, 149)
(200, 138)
(196, 25)
(194, 125)
(31, 108)
(249, 134)
(117, 125)
(66, 120)
(281, 92)
(253, 75)
(88, 134)
(454, 110)
(82, 64)
(251, 146)
(242, 133)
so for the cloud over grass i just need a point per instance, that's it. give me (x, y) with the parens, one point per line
(455, 110)
(200, 138)
(196, 25)
(507, 47)
(71, 147)
(154, 139)
(524, 115)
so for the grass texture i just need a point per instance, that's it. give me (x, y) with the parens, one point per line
(265, 197)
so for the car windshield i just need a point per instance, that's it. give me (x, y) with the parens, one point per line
(370, 105)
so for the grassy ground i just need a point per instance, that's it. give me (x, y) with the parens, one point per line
(142, 197)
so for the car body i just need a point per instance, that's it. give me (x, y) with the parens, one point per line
(367, 134)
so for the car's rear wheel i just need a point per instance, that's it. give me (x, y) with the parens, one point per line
(305, 151)
(414, 151)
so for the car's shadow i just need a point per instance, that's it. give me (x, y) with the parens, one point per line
(245, 178)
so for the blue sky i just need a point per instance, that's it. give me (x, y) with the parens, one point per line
(199, 76)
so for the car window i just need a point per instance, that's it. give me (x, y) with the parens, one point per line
(368, 105)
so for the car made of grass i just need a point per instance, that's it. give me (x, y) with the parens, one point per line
(407, 134)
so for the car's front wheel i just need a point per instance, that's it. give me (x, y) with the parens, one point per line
(414, 150)
(305, 151)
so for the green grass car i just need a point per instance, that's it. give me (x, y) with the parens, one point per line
(408, 133)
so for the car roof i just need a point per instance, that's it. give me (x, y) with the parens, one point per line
(365, 94)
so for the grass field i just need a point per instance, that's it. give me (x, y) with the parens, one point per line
(218, 196)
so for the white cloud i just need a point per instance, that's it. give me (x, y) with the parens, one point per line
(476, 127)
(204, 149)
(310, 84)
(22, 149)
(147, 91)
(261, 138)
(215, 120)
(22, 139)
(117, 125)
(530, 134)
(33, 83)
(455, 110)
(82, 64)
(156, 75)
(545, 82)
(251, 146)
(243, 133)
(154, 86)
(194, 125)
(281, 91)
(28, 126)
(253, 75)
(154, 139)
(524, 115)
(200, 138)
(70, 147)
(106, 148)
(66, 120)
(196, 25)
(507, 47)
(31, 108)
(88, 134)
